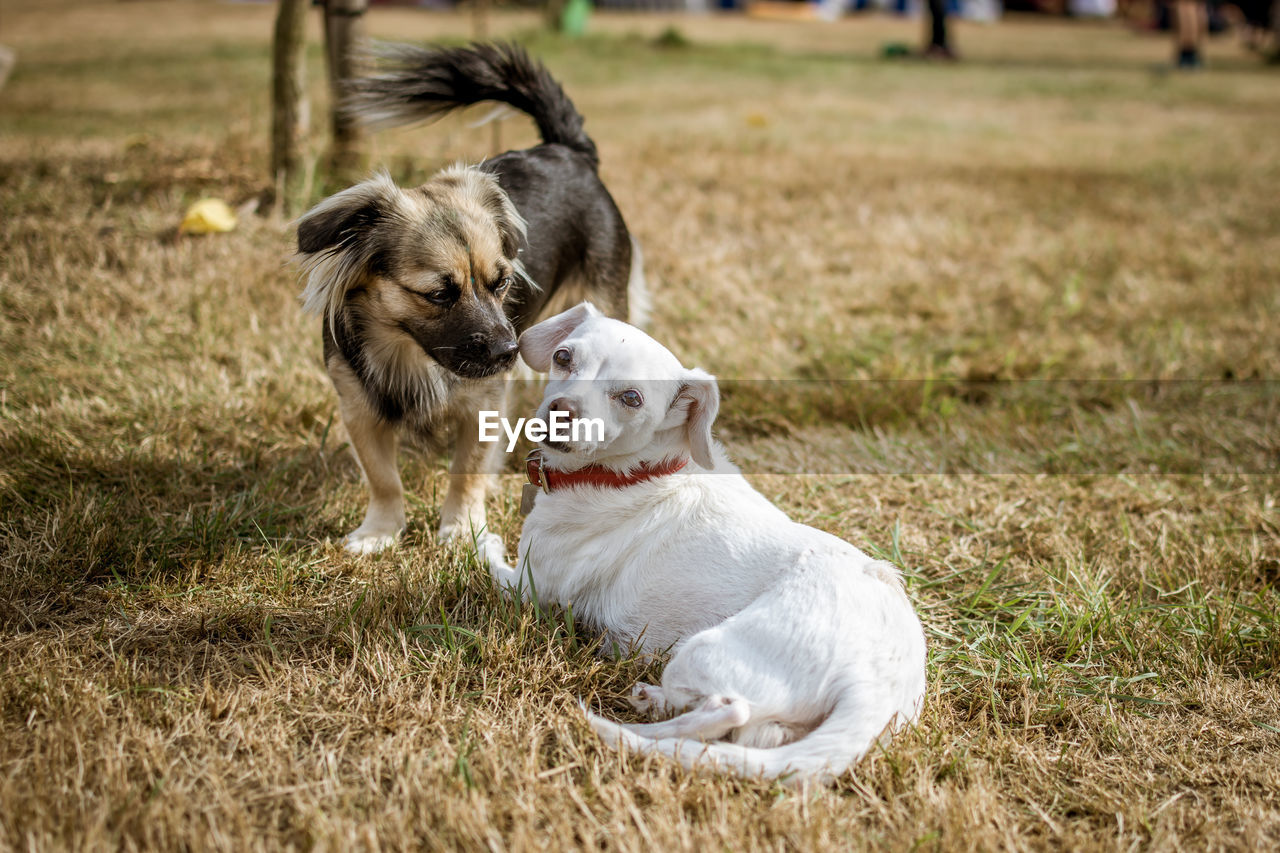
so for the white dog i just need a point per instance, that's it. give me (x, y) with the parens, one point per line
(793, 650)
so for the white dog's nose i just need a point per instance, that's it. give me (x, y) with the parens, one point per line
(563, 404)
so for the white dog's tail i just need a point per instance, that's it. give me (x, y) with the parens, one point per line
(839, 742)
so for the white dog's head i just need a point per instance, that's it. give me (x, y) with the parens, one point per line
(651, 407)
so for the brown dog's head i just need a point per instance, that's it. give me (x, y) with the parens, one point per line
(429, 266)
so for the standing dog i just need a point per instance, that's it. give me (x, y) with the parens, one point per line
(793, 649)
(424, 290)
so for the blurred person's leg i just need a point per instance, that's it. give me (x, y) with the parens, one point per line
(937, 47)
(1188, 26)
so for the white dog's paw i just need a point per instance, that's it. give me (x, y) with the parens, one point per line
(492, 553)
(490, 550)
(648, 699)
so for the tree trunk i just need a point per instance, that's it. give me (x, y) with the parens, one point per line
(344, 36)
(289, 108)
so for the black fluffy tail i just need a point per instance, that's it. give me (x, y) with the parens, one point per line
(423, 83)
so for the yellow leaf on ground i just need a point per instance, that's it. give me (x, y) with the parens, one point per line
(208, 216)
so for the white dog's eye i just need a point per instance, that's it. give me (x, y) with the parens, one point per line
(631, 398)
(562, 358)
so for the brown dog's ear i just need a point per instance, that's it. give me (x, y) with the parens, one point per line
(540, 341)
(701, 396)
(344, 216)
(335, 240)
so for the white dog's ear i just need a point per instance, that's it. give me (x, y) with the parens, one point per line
(540, 341)
(701, 397)
(336, 247)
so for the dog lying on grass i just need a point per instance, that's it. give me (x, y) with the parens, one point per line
(793, 650)
(422, 291)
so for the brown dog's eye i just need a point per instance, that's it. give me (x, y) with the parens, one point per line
(562, 358)
(502, 285)
(631, 398)
(446, 292)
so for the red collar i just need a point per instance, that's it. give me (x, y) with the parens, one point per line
(595, 475)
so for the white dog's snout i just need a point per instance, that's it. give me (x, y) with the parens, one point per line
(567, 405)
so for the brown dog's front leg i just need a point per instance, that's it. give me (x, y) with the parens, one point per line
(474, 464)
(374, 442)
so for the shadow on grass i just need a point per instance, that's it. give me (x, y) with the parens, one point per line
(73, 516)
(443, 613)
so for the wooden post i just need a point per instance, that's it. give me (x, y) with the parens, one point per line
(289, 107)
(344, 36)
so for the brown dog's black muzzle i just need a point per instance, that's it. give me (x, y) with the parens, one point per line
(481, 354)
(497, 349)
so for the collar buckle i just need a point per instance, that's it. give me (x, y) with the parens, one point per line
(534, 472)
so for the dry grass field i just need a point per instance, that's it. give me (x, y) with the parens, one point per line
(1019, 321)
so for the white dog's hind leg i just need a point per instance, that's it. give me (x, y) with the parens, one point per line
(713, 719)
(767, 734)
(649, 699)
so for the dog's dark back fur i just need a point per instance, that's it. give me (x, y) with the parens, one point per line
(592, 249)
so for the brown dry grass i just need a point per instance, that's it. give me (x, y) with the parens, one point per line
(187, 660)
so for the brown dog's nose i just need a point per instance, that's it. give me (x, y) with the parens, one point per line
(563, 404)
(503, 350)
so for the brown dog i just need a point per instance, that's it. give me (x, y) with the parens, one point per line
(423, 291)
